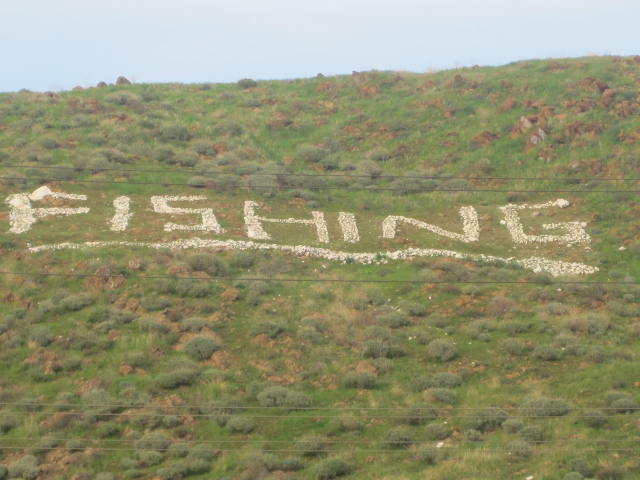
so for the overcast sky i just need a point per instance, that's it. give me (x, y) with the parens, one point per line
(58, 44)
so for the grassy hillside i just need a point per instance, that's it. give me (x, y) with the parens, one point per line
(132, 358)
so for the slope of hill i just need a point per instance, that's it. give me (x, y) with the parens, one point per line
(382, 276)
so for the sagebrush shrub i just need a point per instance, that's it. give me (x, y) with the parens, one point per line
(486, 419)
(418, 415)
(444, 395)
(594, 418)
(437, 431)
(519, 449)
(169, 133)
(364, 380)
(332, 468)
(311, 445)
(206, 262)
(441, 350)
(428, 455)
(238, 424)
(201, 347)
(398, 439)
(246, 83)
(177, 378)
(154, 441)
(25, 467)
(311, 153)
(8, 421)
(544, 407)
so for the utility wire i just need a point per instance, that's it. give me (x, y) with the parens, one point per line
(327, 175)
(327, 280)
(223, 186)
(288, 408)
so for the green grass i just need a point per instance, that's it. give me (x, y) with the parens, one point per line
(428, 124)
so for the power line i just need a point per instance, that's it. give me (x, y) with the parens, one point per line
(226, 186)
(327, 175)
(302, 451)
(327, 442)
(289, 408)
(327, 280)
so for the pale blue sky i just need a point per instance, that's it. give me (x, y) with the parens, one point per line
(58, 44)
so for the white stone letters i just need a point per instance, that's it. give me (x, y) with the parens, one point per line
(22, 215)
(120, 221)
(470, 226)
(349, 227)
(209, 223)
(253, 223)
(575, 233)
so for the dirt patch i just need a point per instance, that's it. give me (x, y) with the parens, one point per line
(594, 84)
(44, 358)
(104, 278)
(607, 98)
(485, 138)
(369, 91)
(508, 104)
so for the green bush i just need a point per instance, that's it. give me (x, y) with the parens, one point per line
(194, 324)
(289, 464)
(201, 348)
(428, 455)
(272, 329)
(437, 431)
(364, 380)
(398, 439)
(311, 153)
(375, 349)
(152, 325)
(573, 476)
(512, 425)
(42, 336)
(8, 421)
(24, 468)
(394, 319)
(283, 397)
(544, 407)
(332, 468)
(75, 445)
(246, 83)
(444, 380)
(519, 449)
(187, 287)
(379, 155)
(532, 434)
(74, 303)
(625, 405)
(179, 449)
(311, 445)
(548, 353)
(415, 309)
(177, 378)
(485, 419)
(418, 415)
(154, 441)
(206, 262)
(444, 395)
(175, 471)
(441, 350)
(514, 346)
(155, 303)
(237, 424)
(594, 418)
(171, 133)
